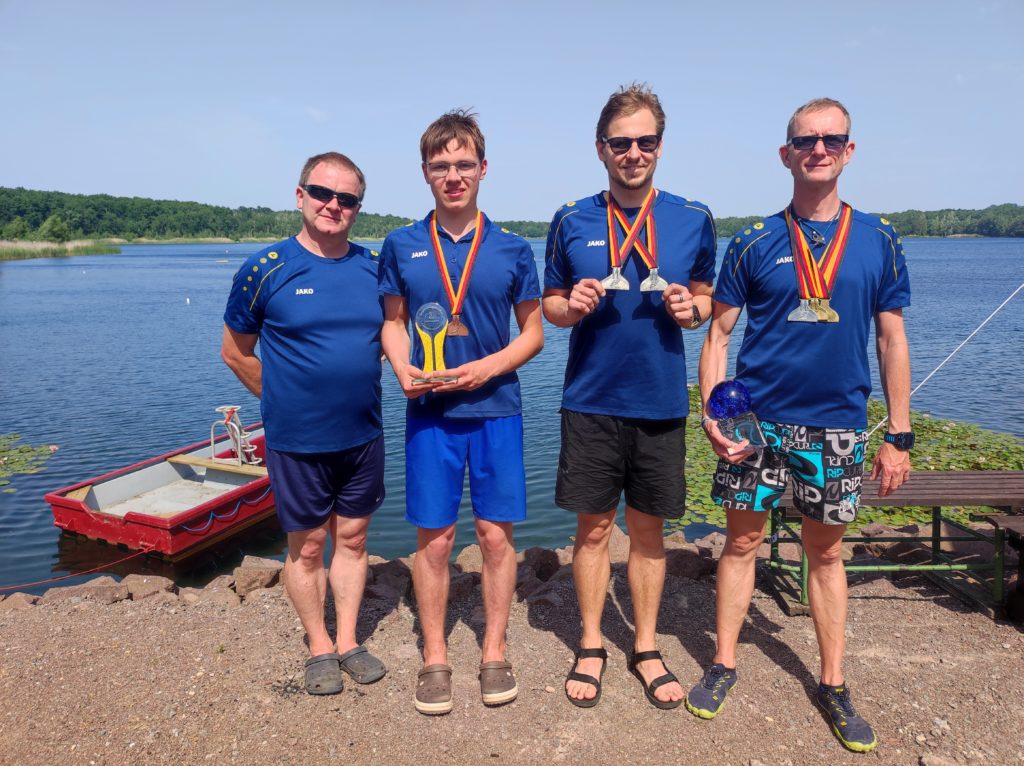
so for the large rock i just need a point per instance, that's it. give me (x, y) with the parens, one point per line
(392, 579)
(543, 561)
(224, 597)
(144, 586)
(713, 543)
(18, 601)
(461, 585)
(527, 582)
(687, 561)
(618, 545)
(220, 582)
(548, 595)
(470, 559)
(103, 590)
(255, 573)
(564, 555)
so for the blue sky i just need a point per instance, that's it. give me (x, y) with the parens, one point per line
(221, 102)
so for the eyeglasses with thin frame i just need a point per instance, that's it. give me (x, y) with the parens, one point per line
(465, 168)
(834, 142)
(622, 144)
(323, 194)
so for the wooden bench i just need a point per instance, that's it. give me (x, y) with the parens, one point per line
(207, 463)
(981, 583)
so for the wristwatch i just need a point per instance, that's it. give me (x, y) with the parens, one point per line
(901, 441)
(697, 318)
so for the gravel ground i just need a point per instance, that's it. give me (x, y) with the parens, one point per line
(158, 681)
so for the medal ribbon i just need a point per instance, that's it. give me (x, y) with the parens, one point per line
(619, 254)
(456, 296)
(817, 278)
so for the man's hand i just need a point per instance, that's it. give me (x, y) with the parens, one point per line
(584, 297)
(413, 390)
(730, 451)
(469, 376)
(893, 466)
(679, 304)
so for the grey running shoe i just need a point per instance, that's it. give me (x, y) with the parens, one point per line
(706, 698)
(853, 731)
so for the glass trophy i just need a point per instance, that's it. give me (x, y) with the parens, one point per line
(431, 325)
(729, 404)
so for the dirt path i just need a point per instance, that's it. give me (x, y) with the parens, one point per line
(160, 681)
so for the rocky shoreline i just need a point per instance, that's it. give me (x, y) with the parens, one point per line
(140, 671)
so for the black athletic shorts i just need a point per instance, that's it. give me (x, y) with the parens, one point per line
(603, 455)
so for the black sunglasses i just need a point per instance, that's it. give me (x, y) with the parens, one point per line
(323, 194)
(833, 142)
(622, 144)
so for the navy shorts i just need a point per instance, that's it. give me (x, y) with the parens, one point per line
(603, 455)
(310, 487)
(826, 465)
(437, 452)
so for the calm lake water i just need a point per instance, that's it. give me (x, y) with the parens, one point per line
(115, 358)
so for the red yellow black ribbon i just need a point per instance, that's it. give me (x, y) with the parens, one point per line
(456, 296)
(817, 278)
(646, 215)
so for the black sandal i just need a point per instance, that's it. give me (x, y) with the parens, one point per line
(583, 678)
(657, 683)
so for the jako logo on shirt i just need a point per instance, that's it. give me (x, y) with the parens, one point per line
(596, 243)
(303, 290)
(419, 254)
(784, 259)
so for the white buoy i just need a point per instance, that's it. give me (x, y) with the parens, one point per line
(187, 301)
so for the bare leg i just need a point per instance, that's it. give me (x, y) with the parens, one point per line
(348, 575)
(497, 582)
(735, 579)
(646, 569)
(826, 588)
(430, 582)
(591, 571)
(306, 585)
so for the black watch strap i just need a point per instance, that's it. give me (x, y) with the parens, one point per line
(902, 441)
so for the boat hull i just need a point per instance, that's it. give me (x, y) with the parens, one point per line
(173, 505)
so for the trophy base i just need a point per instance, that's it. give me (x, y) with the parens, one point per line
(445, 379)
(742, 427)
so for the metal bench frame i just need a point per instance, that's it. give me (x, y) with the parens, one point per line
(980, 584)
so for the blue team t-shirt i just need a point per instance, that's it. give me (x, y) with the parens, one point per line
(504, 275)
(626, 359)
(811, 374)
(318, 321)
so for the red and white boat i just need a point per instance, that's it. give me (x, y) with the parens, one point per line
(176, 504)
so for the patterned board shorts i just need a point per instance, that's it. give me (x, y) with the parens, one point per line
(827, 466)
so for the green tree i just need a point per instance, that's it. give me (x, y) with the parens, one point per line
(54, 229)
(18, 228)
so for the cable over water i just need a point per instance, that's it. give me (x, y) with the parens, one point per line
(954, 351)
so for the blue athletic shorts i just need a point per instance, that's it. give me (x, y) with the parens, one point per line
(437, 451)
(308, 488)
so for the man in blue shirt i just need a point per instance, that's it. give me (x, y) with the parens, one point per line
(312, 303)
(812, 278)
(464, 404)
(625, 400)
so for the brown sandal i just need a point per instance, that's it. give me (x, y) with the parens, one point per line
(497, 682)
(434, 689)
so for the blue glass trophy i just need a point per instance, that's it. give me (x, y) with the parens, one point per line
(729, 404)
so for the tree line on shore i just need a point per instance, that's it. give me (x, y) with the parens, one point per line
(26, 214)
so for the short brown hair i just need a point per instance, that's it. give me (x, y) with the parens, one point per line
(627, 100)
(332, 158)
(816, 105)
(457, 125)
